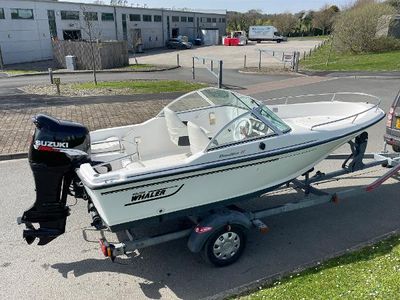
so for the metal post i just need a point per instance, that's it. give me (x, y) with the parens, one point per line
(1, 60)
(273, 53)
(177, 59)
(296, 62)
(283, 56)
(220, 75)
(212, 65)
(259, 61)
(194, 77)
(244, 63)
(304, 55)
(51, 75)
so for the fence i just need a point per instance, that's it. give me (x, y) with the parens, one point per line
(210, 68)
(107, 55)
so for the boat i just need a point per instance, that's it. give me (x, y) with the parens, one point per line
(206, 149)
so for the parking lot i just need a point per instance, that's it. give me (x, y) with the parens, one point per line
(233, 57)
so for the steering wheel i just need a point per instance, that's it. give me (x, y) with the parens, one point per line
(243, 129)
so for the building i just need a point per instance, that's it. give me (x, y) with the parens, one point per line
(27, 26)
(389, 26)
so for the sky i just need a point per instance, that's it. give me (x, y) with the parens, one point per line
(267, 6)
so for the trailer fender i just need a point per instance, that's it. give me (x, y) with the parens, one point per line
(215, 221)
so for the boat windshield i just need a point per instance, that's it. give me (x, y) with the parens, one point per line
(213, 97)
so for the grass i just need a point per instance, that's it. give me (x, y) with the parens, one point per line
(143, 86)
(386, 61)
(370, 273)
(141, 66)
(308, 38)
(17, 72)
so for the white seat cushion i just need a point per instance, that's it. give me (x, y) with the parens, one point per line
(110, 144)
(175, 126)
(197, 137)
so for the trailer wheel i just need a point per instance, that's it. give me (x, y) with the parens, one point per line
(225, 246)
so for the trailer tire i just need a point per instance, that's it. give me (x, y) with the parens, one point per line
(225, 246)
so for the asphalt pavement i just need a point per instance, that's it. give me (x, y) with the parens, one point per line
(231, 78)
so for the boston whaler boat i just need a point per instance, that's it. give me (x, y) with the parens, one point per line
(207, 149)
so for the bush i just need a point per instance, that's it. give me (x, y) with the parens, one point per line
(356, 29)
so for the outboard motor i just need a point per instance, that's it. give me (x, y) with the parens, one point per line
(57, 148)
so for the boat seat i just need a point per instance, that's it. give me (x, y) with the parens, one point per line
(197, 137)
(111, 144)
(176, 128)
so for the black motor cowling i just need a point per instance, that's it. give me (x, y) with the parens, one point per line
(57, 148)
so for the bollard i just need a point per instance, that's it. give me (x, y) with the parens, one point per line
(57, 82)
(177, 59)
(51, 75)
(259, 62)
(244, 62)
(304, 55)
(283, 56)
(310, 53)
(296, 62)
(1, 60)
(273, 53)
(212, 65)
(220, 75)
(193, 75)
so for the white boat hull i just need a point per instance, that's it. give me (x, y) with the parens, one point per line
(123, 205)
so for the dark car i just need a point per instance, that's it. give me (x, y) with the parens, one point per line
(178, 44)
(392, 136)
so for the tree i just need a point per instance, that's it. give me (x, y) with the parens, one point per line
(395, 4)
(356, 29)
(324, 18)
(93, 32)
(285, 23)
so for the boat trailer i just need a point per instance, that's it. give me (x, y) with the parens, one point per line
(220, 233)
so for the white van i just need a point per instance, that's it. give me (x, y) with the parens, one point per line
(265, 33)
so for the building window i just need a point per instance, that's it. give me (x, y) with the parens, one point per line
(146, 18)
(72, 35)
(2, 13)
(183, 19)
(157, 18)
(223, 20)
(69, 15)
(133, 18)
(214, 20)
(90, 16)
(190, 19)
(208, 20)
(202, 19)
(18, 13)
(175, 19)
(107, 17)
